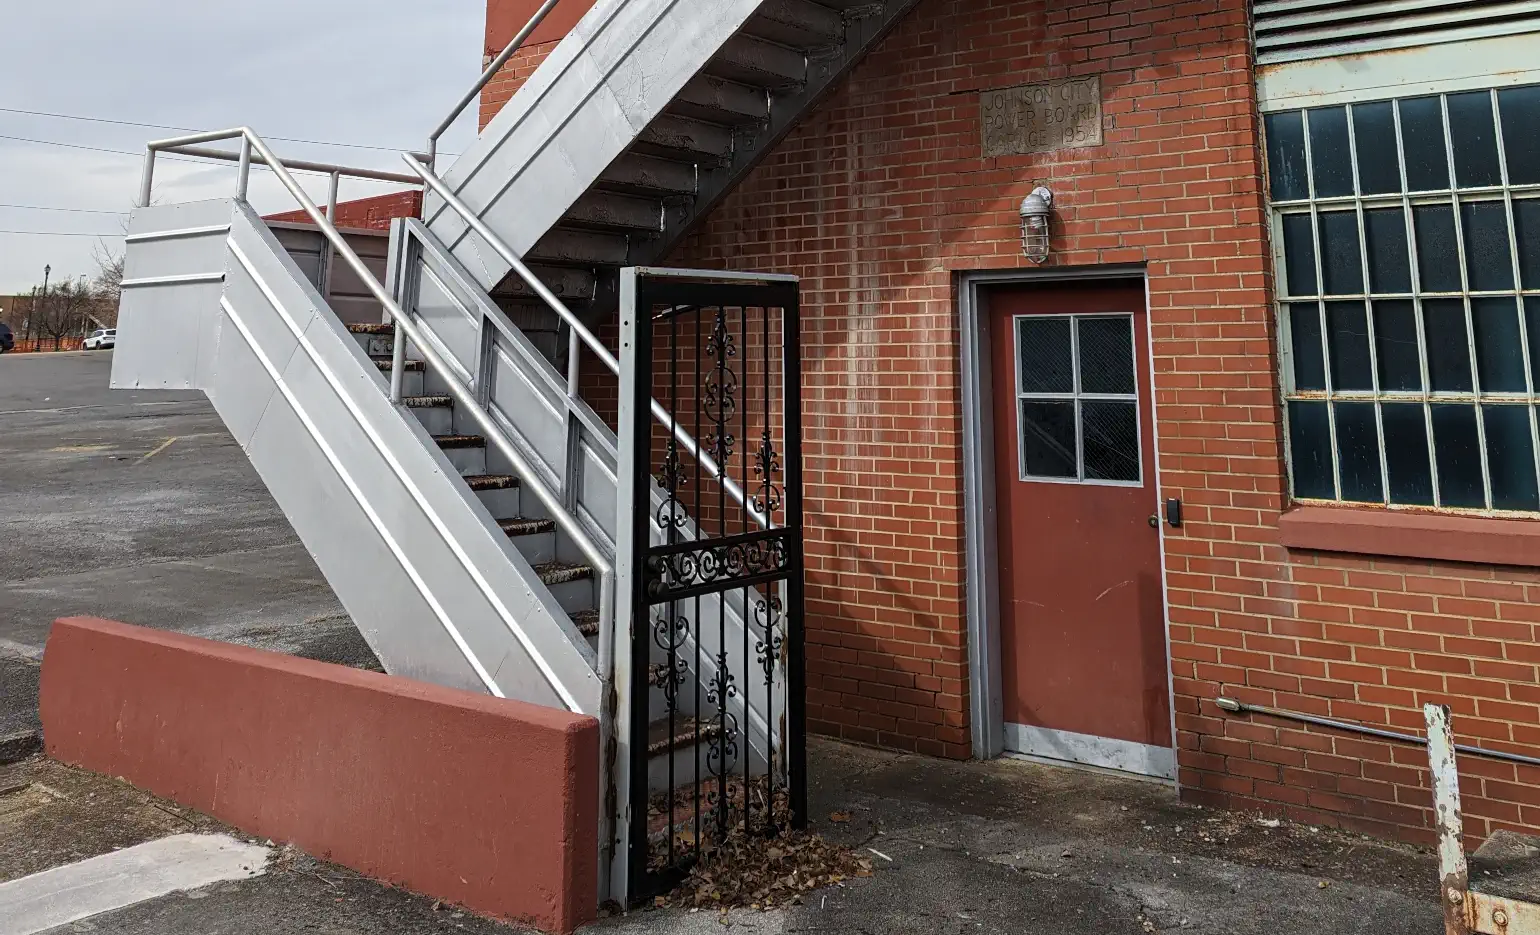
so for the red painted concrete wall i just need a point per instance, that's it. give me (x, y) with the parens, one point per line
(373, 213)
(483, 802)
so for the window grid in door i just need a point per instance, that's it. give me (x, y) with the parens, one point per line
(1077, 401)
(1407, 243)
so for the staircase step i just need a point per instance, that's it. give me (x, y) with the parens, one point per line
(480, 482)
(460, 441)
(670, 134)
(526, 526)
(683, 736)
(568, 283)
(649, 175)
(371, 328)
(800, 24)
(757, 62)
(428, 402)
(614, 211)
(582, 247)
(721, 101)
(586, 621)
(384, 363)
(554, 573)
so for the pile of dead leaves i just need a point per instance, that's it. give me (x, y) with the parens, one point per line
(754, 872)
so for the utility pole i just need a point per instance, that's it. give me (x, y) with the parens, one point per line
(47, 268)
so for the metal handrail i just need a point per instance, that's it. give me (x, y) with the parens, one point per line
(487, 74)
(254, 149)
(581, 330)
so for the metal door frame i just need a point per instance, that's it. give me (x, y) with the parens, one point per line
(985, 678)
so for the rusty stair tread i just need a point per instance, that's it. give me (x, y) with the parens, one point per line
(491, 481)
(554, 573)
(384, 363)
(460, 441)
(368, 327)
(526, 525)
(683, 736)
(428, 402)
(586, 621)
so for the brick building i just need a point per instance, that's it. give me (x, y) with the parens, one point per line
(1259, 427)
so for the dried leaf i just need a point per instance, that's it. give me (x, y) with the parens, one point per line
(840, 818)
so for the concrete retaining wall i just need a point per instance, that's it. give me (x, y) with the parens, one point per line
(483, 802)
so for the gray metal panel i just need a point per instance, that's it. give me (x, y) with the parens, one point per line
(611, 77)
(1295, 30)
(164, 331)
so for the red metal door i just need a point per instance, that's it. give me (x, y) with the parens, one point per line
(1082, 613)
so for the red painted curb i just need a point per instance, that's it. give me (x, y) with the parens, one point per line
(483, 802)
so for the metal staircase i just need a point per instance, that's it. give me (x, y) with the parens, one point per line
(638, 123)
(484, 527)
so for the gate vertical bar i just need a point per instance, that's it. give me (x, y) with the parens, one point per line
(795, 737)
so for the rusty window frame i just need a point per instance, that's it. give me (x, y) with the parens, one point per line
(1357, 203)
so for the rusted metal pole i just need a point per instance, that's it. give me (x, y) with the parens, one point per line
(1453, 874)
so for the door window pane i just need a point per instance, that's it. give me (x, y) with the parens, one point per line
(1526, 222)
(1457, 448)
(1358, 453)
(1438, 256)
(1341, 262)
(1406, 454)
(1347, 339)
(1305, 346)
(1310, 450)
(1106, 355)
(1520, 109)
(1044, 347)
(1511, 458)
(1499, 346)
(1110, 431)
(1048, 438)
(1286, 156)
(1443, 325)
(1395, 345)
(1422, 143)
(1488, 256)
(1475, 139)
(1331, 158)
(1374, 135)
(1298, 254)
(1390, 268)
(1532, 326)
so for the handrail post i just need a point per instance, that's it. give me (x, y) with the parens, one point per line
(147, 181)
(397, 362)
(331, 253)
(574, 365)
(243, 179)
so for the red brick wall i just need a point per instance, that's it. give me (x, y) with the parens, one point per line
(364, 213)
(504, 20)
(882, 196)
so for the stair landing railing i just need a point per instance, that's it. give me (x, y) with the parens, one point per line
(254, 150)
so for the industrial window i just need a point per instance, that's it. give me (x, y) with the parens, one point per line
(1407, 235)
(1077, 400)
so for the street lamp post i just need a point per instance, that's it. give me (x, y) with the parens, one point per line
(47, 268)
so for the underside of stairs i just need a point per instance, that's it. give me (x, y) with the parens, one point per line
(632, 130)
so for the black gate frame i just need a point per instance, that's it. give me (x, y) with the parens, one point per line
(691, 568)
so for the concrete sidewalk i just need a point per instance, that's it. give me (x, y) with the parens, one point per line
(1002, 847)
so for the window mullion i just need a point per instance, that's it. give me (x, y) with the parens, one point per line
(1518, 285)
(1320, 310)
(1470, 319)
(1363, 262)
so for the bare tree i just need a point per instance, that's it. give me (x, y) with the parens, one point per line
(65, 310)
(107, 286)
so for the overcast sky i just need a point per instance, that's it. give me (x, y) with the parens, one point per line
(371, 72)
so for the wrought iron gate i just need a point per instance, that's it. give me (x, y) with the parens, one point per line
(713, 704)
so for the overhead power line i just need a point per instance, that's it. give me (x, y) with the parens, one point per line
(60, 234)
(140, 155)
(69, 210)
(166, 126)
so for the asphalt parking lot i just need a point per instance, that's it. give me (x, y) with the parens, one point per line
(139, 506)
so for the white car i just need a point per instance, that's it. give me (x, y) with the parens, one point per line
(101, 338)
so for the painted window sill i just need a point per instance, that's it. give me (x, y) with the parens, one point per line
(1404, 534)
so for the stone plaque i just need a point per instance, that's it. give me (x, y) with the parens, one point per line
(1042, 118)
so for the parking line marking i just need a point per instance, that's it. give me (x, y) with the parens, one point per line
(159, 448)
(123, 878)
